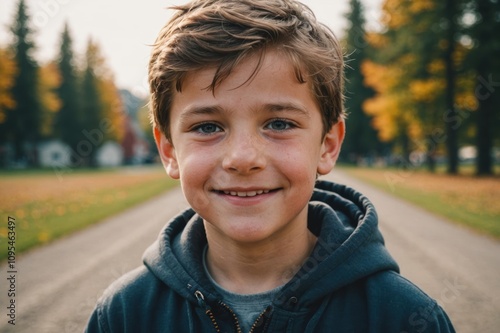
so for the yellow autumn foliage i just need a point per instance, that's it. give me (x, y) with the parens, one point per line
(417, 6)
(409, 86)
(382, 110)
(7, 73)
(414, 126)
(382, 107)
(397, 13)
(380, 77)
(427, 91)
(392, 108)
(109, 95)
(394, 14)
(376, 40)
(49, 81)
(465, 98)
(113, 108)
(436, 67)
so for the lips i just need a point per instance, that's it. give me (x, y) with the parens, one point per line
(245, 193)
(242, 192)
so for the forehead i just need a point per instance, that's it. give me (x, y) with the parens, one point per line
(244, 70)
(270, 76)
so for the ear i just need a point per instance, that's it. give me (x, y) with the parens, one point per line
(330, 147)
(167, 153)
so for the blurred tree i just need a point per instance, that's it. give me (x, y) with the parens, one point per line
(428, 83)
(143, 116)
(23, 119)
(114, 114)
(420, 75)
(7, 102)
(68, 123)
(361, 138)
(49, 82)
(393, 115)
(102, 108)
(451, 14)
(389, 73)
(484, 59)
(92, 103)
(7, 76)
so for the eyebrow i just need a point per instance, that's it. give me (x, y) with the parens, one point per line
(200, 110)
(270, 107)
(288, 106)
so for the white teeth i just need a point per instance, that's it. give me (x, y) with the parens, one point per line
(251, 194)
(245, 194)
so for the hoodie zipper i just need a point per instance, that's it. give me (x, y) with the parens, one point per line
(236, 321)
(259, 318)
(201, 301)
(208, 311)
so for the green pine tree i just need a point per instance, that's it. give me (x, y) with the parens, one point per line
(92, 104)
(23, 120)
(68, 123)
(361, 139)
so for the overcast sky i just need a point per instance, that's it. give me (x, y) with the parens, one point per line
(125, 28)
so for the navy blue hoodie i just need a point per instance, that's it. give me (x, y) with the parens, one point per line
(349, 284)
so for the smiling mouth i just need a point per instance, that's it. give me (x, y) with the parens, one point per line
(243, 194)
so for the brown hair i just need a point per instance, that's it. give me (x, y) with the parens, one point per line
(221, 33)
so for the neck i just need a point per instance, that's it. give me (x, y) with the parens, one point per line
(253, 268)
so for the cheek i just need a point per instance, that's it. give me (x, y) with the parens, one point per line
(196, 169)
(193, 159)
(300, 161)
(192, 183)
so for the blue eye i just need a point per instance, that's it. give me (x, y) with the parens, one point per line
(279, 125)
(207, 128)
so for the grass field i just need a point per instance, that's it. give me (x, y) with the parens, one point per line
(47, 206)
(465, 199)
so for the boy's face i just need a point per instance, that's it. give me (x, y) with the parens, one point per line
(247, 155)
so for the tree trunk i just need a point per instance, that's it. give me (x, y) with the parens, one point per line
(485, 90)
(486, 105)
(451, 127)
(431, 155)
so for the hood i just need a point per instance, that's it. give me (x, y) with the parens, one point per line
(350, 247)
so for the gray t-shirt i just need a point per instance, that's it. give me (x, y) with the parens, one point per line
(247, 307)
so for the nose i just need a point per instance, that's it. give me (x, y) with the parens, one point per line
(244, 154)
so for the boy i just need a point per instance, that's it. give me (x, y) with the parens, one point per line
(247, 111)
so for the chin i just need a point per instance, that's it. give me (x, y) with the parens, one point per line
(247, 232)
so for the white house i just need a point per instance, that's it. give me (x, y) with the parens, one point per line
(54, 153)
(110, 154)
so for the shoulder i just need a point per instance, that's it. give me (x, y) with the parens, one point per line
(125, 302)
(404, 305)
(396, 287)
(133, 286)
